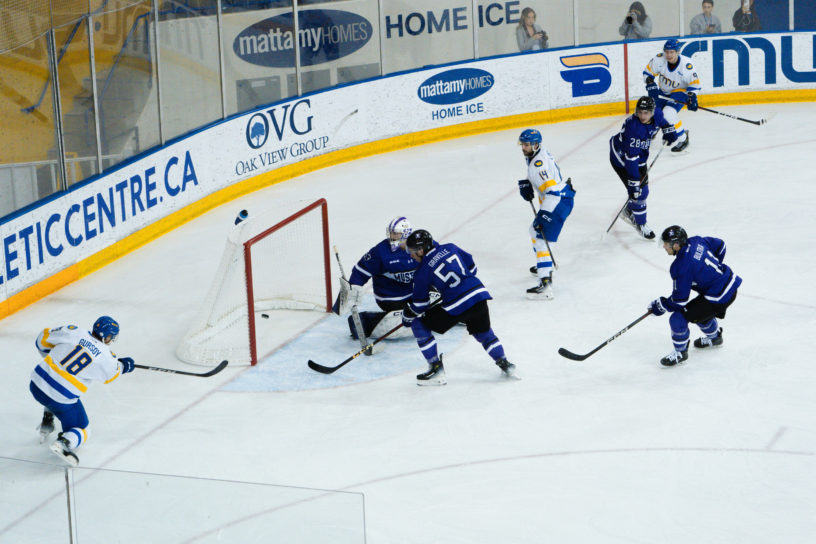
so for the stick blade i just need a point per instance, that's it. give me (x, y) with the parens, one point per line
(570, 355)
(221, 366)
(320, 368)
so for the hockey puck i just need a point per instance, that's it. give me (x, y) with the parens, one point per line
(266, 316)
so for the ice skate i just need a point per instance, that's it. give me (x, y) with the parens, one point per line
(709, 342)
(62, 450)
(681, 146)
(627, 215)
(46, 426)
(534, 270)
(508, 369)
(542, 291)
(673, 358)
(435, 375)
(645, 231)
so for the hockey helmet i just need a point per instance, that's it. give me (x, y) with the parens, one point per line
(398, 231)
(672, 45)
(645, 103)
(530, 136)
(420, 239)
(106, 329)
(675, 235)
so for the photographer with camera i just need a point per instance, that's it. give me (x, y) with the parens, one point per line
(529, 34)
(636, 25)
(705, 22)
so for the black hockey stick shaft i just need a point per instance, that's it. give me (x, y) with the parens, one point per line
(330, 369)
(221, 366)
(575, 357)
(649, 169)
(555, 264)
(757, 123)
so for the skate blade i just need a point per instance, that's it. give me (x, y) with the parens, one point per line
(540, 296)
(436, 380)
(69, 458)
(511, 377)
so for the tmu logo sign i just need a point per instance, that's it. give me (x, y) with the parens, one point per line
(588, 73)
(278, 118)
(323, 35)
(454, 86)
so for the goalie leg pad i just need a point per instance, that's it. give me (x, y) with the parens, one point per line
(369, 320)
(388, 322)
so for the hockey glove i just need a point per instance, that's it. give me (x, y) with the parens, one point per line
(669, 136)
(651, 88)
(691, 101)
(127, 364)
(526, 189)
(542, 219)
(408, 317)
(656, 306)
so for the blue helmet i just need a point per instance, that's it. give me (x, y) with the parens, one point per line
(530, 136)
(105, 327)
(672, 44)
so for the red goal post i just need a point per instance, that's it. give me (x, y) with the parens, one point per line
(324, 214)
(263, 269)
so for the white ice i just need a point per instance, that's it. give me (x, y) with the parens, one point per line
(613, 449)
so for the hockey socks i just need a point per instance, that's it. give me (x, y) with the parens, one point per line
(491, 344)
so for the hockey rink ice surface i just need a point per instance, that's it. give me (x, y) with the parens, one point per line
(613, 449)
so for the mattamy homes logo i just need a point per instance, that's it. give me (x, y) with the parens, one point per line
(323, 35)
(454, 86)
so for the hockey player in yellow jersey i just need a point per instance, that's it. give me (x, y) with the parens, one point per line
(72, 358)
(672, 81)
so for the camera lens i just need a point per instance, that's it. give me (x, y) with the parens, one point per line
(629, 20)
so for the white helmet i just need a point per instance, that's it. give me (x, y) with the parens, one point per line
(398, 231)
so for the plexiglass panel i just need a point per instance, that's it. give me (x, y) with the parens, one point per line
(76, 99)
(259, 53)
(615, 20)
(418, 33)
(29, 165)
(126, 82)
(189, 71)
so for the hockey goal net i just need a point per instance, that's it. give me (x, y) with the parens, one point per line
(263, 268)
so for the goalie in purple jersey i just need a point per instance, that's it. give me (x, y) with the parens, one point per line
(391, 271)
(697, 267)
(629, 155)
(463, 299)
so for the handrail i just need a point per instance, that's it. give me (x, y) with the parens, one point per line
(31, 109)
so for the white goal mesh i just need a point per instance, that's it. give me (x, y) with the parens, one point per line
(266, 266)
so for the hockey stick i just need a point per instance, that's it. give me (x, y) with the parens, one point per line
(221, 366)
(329, 369)
(355, 315)
(575, 357)
(552, 257)
(649, 169)
(757, 123)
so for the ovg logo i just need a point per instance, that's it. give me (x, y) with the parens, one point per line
(588, 73)
(257, 130)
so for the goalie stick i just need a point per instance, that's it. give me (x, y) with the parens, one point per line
(221, 366)
(368, 348)
(575, 357)
(649, 169)
(552, 257)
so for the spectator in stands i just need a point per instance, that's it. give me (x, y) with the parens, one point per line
(636, 25)
(745, 18)
(706, 22)
(529, 35)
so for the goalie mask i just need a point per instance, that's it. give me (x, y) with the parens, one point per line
(397, 232)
